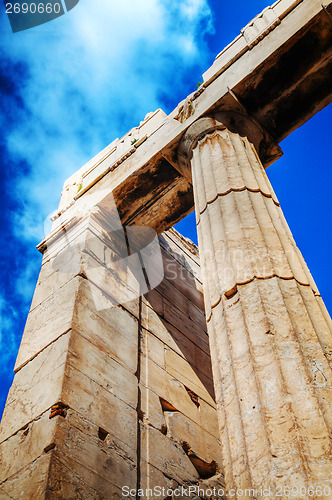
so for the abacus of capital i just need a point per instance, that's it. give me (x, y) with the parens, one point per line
(144, 365)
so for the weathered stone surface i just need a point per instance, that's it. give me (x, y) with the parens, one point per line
(87, 380)
(272, 376)
(29, 483)
(73, 306)
(65, 458)
(175, 336)
(52, 309)
(152, 477)
(180, 274)
(48, 321)
(177, 318)
(69, 479)
(167, 456)
(50, 279)
(184, 251)
(153, 348)
(26, 446)
(174, 392)
(113, 329)
(153, 414)
(172, 339)
(78, 444)
(99, 366)
(189, 376)
(95, 403)
(43, 364)
(181, 429)
(29, 403)
(148, 360)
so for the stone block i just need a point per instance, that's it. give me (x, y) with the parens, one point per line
(51, 279)
(203, 364)
(57, 313)
(79, 464)
(96, 404)
(102, 369)
(38, 368)
(170, 291)
(114, 330)
(121, 280)
(181, 332)
(69, 479)
(80, 445)
(26, 445)
(197, 315)
(167, 387)
(29, 403)
(153, 348)
(174, 338)
(108, 386)
(174, 392)
(152, 477)
(155, 301)
(99, 251)
(181, 429)
(152, 411)
(217, 482)
(167, 456)
(188, 375)
(183, 251)
(209, 419)
(178, 272)
(82, 458)
(177, 318)
(48, 321)
(29, 483)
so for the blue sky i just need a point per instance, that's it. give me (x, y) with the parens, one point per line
(71, 86)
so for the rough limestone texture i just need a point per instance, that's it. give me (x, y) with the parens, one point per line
(110, 396)
(107, 395)
(270, 336)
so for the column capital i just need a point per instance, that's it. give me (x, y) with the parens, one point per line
(266, 147)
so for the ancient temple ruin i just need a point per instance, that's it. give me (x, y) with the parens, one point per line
(149, 363)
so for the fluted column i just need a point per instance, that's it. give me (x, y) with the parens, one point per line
(270, 335)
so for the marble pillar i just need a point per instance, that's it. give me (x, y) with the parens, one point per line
(270, 333)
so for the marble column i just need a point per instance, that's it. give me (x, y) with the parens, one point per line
(270, 333)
